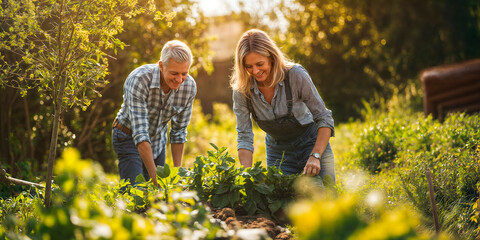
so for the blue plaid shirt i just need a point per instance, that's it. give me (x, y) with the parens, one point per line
(147, 113)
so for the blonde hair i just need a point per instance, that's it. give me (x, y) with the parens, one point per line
(257, 41)
(177, 51)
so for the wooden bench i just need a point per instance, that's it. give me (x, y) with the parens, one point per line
(451, 88)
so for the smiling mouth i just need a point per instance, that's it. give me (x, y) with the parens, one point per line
(259, 75)
(175, 82)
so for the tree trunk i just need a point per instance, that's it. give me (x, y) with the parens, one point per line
(31, 149)
(53, 143)
(9, 129)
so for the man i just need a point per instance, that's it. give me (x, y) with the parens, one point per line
(154, 95)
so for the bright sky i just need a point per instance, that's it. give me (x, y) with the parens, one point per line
(218, 7)
(225, 7)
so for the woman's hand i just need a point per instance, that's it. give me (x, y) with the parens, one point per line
(246, 157)
(312, 168)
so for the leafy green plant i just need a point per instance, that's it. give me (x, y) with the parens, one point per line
(339, 217)
(377, 148)
(256, 191)
(419, 143)
(86, 206)
(215, 178)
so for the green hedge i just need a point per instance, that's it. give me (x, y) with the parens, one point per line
(398, 149)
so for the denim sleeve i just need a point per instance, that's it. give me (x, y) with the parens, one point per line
(179, 123)
(244, 123)
(310, 96)
(136, 93)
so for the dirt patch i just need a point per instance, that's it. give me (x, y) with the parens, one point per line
(237, 222)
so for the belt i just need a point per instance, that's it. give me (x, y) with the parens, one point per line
(117, 124)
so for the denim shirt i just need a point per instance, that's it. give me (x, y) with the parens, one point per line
(146, 110)
(308, 106)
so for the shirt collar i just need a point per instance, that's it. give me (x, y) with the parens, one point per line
(255, 89)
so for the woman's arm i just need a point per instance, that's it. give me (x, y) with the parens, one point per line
(313, 166)
(246, 157)
(244, 129)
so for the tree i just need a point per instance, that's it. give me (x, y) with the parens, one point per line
(144, 40)
(60, 49)
(373, 49)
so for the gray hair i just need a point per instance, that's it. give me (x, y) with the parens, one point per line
(177, 51)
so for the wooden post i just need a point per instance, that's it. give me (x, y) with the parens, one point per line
(432, 201)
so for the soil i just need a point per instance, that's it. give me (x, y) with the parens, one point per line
(274, 229)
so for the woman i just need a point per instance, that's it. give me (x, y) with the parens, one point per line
(283, 100)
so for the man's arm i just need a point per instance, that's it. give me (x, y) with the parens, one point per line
(177, 153)
(145, 151)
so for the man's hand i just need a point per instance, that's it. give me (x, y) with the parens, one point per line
(312, 168)
(145, 151)
(177, 154)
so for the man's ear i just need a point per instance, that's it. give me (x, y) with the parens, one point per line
(160, 64)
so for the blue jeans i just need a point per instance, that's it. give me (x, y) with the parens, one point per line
(130, 163)
(292, 156)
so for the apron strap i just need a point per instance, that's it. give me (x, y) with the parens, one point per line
(249, 105)
(288, 93)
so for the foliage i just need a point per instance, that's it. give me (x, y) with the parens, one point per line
(357, 50)
(377, 148)
(45, 43)
(215, 178)
(267, 190)
(257, 190)
(419, 144)
(84, 193)
(144, 38)
(27, 122)
(86, 206)
(329, 217)
(59, 48)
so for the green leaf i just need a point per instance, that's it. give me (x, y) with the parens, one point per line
(214, 146)
(233, 197)
(223, 188)
(251, 207)
(256, 197)
(163, 171)
(139, 201)
(140, 178)
(224, 167)
(219, 201)
(275, 205)
(328, 181)
(263, 188)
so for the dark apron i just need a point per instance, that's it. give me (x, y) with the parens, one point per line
(282, 129)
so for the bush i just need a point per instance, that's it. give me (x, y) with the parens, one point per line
(398, 146)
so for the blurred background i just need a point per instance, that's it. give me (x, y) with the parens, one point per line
(358, 53)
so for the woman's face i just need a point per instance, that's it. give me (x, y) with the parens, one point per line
(258, 66)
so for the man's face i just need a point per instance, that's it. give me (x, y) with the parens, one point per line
(174, 73)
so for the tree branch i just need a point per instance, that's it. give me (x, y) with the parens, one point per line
(6, 180)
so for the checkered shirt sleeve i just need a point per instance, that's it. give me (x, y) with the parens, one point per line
(182, 107)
